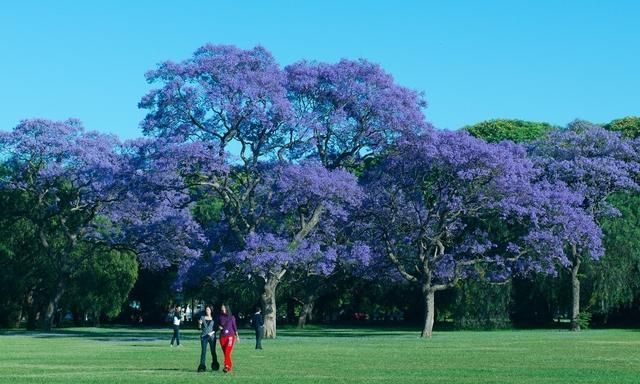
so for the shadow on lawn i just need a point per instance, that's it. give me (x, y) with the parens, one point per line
(124, 334)
(104, 334)
(347, 332)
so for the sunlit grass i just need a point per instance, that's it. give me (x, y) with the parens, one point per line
(326, 355)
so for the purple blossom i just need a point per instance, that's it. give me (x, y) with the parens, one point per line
(436, 208)
(130, 195)
(351, 108)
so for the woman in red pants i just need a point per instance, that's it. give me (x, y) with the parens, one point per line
(228, 335)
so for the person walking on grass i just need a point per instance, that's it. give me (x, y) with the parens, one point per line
(228, 335)
(258, 325)
(176, 320)
(207, 324)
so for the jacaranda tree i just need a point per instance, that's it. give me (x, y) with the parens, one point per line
(258, 114)
(594, 163)
(83, 192)
(304, 206)
(431, 211)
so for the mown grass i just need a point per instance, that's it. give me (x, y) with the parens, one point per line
(325, 355)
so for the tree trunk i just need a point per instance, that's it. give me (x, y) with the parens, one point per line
(17, 319)
(575, 288)
(29, 310)
(269, 305)
(429, 312)
(52, 307)
(306, 313)
(96, 318)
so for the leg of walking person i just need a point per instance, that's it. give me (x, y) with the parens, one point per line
(203, 353)
(177, 332)
(259, 333)
(226, 342)
(173, 338)
(214, 356)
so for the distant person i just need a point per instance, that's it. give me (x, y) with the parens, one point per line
(207, 324)
(228, 335)
(176, 319)
(258, 325)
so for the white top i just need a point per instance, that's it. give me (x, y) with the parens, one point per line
(176, 320)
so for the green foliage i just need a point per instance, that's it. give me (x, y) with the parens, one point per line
(22, 261)
(629, 126)
(153, 290)
(617, 274)
(539, 299)
(584, 319)
(102, 282)
(482, 305)
(519, 131)
(208, 209)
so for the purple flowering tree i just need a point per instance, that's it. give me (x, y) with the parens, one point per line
(447, 206)
(302, 205)
(86, 192)
(593, 163)
(245, 104)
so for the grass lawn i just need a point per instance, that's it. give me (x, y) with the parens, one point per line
(325, 355)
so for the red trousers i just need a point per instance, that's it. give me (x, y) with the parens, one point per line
(227, 343)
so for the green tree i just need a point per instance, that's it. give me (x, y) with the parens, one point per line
(20, 261)
(617, 275)
(629, 126)
(518, 131)
(481, 304)
(102, 283)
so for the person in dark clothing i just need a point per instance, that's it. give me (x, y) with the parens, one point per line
(208, 325)
(258, 325)
(228, 335)
(175, 320)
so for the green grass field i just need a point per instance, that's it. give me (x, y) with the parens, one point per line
(322, 355)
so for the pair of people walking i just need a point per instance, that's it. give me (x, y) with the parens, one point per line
(225, 323)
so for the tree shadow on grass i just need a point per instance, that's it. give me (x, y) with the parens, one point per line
(347, 332)
(106, 334)
(144, 335)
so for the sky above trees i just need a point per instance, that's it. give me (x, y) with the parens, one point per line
(543, 61)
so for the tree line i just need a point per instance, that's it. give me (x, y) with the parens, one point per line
(318, 184)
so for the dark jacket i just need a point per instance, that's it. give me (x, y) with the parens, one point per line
(257, 321)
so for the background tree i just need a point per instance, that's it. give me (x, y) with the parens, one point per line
(101, 284)
(20, 258)
(430, 206)
(518, 131)
(594, 163)
(82, 193)
(616, 278)
(628, 126)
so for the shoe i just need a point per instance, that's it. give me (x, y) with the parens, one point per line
(226, 369)
(202, 368)
(215, 366)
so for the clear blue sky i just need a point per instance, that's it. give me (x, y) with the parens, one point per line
(551, 60)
